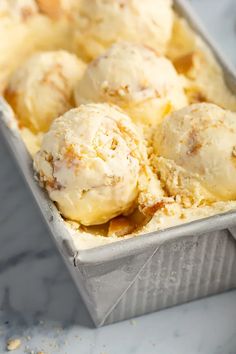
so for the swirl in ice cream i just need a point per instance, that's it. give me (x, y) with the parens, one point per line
(102, 23)
(42, 88)
(197, 146)
(135, 78)
(92, 162)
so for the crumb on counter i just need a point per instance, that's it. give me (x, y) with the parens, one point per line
(13, 344)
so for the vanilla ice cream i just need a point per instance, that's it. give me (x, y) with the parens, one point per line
(59, 8)
(135, 78)
(18, 9)
(90, 162)
(32, 141)
(101, 23)
(197, 146)
(205, 81)
(42, 88)
(172, 215)
(25, 29)
(14, 18)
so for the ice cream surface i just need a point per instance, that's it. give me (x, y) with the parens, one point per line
(90, 162)
(32, 141)
(175, 214)
(57, 9)
(25, 29)
(19, 9)
(171, 215)
(197, 149)
(101, 23)
(42, 88)
(193, 59)
(14, 16)
(108, 182)
(135, 78)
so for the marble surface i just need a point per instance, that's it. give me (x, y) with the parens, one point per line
(38, 301)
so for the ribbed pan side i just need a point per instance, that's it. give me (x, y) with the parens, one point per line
(181, 271)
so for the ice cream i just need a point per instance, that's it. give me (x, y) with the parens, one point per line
(101, 23)
(175, 214)
(57, 9)
(14, 18)
(25, 29)
(91, 162)
(193, 59)
(171, 215)
(177, 181)
(135, 78)
(32, 141)
(18, 9)
(197, 150)
(42, 88)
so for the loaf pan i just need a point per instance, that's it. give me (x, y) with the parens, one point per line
(149, 272)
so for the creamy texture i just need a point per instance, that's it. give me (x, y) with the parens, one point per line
(134, 77)
(57, 9)
(93, 161)
(181, 183)
(193, 59)
(24, 29)
(93, 164)
(169, 216)
(83, 240)
(14, 19)
(101, 23)
(175, 214)
(201, 142)
(32, 141)
(42, 88)
(18, 9)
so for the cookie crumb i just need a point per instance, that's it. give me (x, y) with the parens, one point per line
(234, 151)
(13, 344)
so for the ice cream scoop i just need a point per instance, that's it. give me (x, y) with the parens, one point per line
(14, 20)
(42, 88)
(92, 162)
(135, 78)
(101, 23)
(199, 142)
(26, 28)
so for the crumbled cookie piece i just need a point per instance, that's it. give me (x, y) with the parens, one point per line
(234, 151)
(120, 226)
(13, 344)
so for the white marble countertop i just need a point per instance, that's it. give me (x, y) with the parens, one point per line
(39, 302)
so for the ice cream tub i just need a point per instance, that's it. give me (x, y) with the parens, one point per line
(152, 271)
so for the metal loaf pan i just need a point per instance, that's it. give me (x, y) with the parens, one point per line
(150, 272)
